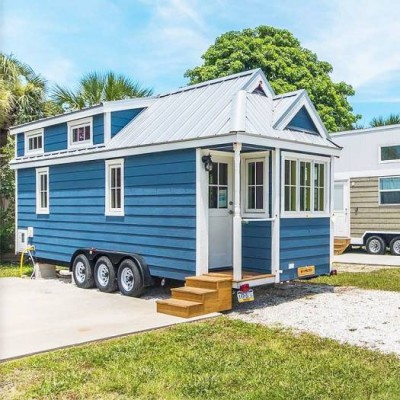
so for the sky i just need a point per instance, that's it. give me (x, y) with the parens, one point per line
(156, 41)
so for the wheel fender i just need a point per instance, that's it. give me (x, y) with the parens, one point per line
(143, 268)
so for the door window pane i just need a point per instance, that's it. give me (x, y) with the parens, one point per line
(218, 186)
(338, 198)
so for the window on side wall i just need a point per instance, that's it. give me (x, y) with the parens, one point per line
(389, 190)
(42, 190)
(255, 183)
(34, 142)
(304, 186)
(115, 187)
(80, 133)
(390, 153)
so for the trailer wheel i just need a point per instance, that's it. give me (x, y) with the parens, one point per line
(375, 245)
(395, 246)
(130, 280)
(104, 275)
(83, 272)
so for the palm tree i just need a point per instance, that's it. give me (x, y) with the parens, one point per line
(96, 87)
(392, 119)
(22, 93)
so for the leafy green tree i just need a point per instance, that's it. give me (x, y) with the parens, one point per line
(287, 66)
(392, 119)
(96, 87)
(22, 99)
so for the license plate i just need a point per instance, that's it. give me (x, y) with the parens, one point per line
(243, 297)
(309, 270)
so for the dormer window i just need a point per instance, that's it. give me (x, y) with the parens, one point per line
(80, 133)
(34, 142)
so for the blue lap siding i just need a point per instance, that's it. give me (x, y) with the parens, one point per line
(303, 121)
(304, 241)
(160, 211)
(256, 246)
(20, 144)
(121, 118)
(55, 137)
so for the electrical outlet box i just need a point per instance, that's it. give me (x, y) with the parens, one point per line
(291, 265)
(30, 232)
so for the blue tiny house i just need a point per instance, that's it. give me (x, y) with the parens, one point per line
(222, 175)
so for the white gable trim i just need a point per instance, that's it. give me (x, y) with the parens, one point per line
(302, 101)
(254, 81)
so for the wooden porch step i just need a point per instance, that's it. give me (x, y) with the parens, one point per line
(340, 245)
(202, 295)
(180, 308)
(194, 294)
(209, 282)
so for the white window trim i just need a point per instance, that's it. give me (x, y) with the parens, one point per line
(253, 157)
(386, 190)
(39, 209)
(307, 158)
(76, 124)
(380, 154)
(31, 134)
(116, 212)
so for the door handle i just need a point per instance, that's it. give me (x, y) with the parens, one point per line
(230, 212)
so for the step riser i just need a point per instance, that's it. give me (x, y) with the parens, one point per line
(184, 312)
(207, 284)
(200, 298)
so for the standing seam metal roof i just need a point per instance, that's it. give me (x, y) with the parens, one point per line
(207, 110)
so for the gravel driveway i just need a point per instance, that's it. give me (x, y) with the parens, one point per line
(367, 318)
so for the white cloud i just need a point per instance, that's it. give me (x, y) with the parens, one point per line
(360, 39)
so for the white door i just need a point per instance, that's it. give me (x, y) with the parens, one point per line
(220, 214)
(341, 209)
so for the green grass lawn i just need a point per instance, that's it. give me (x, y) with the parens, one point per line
(384, 279)
(216, 359)
(8, 271)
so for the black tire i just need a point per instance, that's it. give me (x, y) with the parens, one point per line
(82, 271)
(395, 246)
(375, 245)
(104, 275)
(130, 280)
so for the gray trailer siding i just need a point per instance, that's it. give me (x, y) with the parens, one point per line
(366, 214)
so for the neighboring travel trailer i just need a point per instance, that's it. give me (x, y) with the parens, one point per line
(367, 189)
(222, 177)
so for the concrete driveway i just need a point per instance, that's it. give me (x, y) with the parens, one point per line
(41, 315)
(361, 257)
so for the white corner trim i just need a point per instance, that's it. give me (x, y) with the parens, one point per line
(107, 127)
(201, 215)
(16, 212)
(39, 173)
(275, 234)
(114, 212)
(32, 134)
(77, 123)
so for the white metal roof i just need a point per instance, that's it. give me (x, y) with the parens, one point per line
(208, 112)
(213, 108)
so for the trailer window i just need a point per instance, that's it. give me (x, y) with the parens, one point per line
(389, 190)
(42, 190)
(390, 153)
(115, 187)
(34, 142)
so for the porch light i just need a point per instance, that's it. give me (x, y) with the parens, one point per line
(208, 164)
